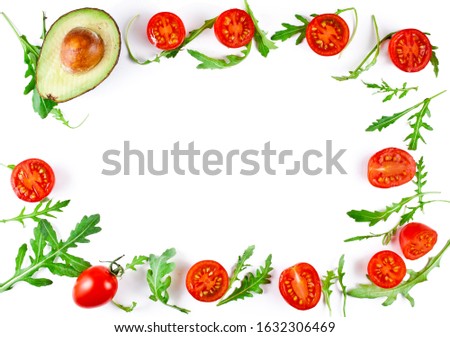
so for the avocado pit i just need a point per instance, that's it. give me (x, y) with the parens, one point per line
(81, 50)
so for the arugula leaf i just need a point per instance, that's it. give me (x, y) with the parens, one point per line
(213, 63)
(251, 283)
(340, 275)
(328, 280)
(367, 62)
(415, 121)
(263, 44)
(41, 105)
(384, 87)
(38, 213)
(373, 217)
(158, 277)
(166, 53)
(241, 265)
(47, 249)
(434, 61)
(292, 30)
(372, 291)
(137, 261)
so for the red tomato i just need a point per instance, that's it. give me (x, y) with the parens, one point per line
(416, 240)
(386, 269)
(391, 167)
(207, 281)
(300, 286)
(234, 28)
(94, 287)
(410, 50)
(166, 31)
(327, 34)
(32, 180)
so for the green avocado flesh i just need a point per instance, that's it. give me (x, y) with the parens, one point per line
(53, 80)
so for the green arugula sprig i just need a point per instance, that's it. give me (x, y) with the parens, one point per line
(251, 282)
(42, 106)
(330, 279)
(374, 217)
(372, 291)
(293, 30)
(416, 121)
(385, 88)
(49, 252)
(39, 212)
(158, 277)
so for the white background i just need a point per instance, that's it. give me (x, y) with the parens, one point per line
(289, 99)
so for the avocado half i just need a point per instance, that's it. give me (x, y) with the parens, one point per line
(54, 80)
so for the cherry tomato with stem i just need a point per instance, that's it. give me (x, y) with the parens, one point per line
(97, 285)
(410, 50)
(391, 167)
(207, 281)
(32, 180)
(300, 286)
(166, 31)
(386, 269)
(416, 240)
(234, 28)
(327, 34)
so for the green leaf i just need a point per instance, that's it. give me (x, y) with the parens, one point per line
(61, 269)
(158, 277)
(328, 281)
(21, 256)
(373, 217)
(76, 263)
(38, 213)
(341, 275)
(372, 291)
(137, 261)
(263, 44)
(39, 242)
(292, 30)
(86, 227)
(434, 61)
(38, 282)
(125, 308)
(385, 88)
(251, 283)
(213, 63)
(241, 265)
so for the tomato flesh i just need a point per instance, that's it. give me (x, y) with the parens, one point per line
(300, 286)
(327, 34)
(391, 167)
(94, 287)
(32, 180)
(410, 50)
(166, 31)
(386, 269)
(207, 281)
(416, 240)
(234, 28)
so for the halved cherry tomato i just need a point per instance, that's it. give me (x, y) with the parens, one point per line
(391, 167)
(207, 281)
(94, 287)
(410, 50)
(234, 28)
(32, 180)
(166, 31)
(416, 240)
(300, 286)
(386, 269)
(327, 34)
